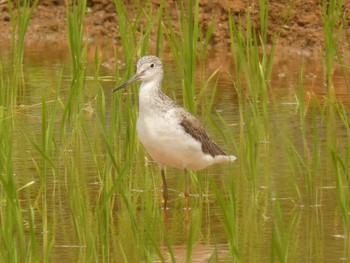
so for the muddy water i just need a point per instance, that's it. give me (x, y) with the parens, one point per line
(311, 218)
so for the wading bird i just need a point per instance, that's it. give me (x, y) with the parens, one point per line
(171, 135)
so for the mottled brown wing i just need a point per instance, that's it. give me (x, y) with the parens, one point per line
(193, 127)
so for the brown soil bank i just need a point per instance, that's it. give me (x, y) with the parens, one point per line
(299, 23)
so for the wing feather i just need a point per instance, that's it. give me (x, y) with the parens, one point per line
(193, 127)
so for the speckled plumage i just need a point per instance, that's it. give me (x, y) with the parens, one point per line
(170, 134)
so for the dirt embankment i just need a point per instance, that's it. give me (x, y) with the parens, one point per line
(298, 24)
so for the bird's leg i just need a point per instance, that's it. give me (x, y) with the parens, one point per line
(165, 189)
(187, 189)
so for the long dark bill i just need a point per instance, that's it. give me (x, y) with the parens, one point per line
(134, 78)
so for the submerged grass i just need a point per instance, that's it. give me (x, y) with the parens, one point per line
(186, 45)
(333, 31)
(12, 235)
(20, 18)
(97, 197)
(253, 64)
(15, 244)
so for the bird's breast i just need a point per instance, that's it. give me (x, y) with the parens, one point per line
(152, 127)
(167, 142)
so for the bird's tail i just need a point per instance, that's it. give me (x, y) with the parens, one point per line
(224, 158)
(232, 158)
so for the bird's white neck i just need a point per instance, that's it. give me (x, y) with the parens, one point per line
(149, 92)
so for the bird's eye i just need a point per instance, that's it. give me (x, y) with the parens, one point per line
(152, 65)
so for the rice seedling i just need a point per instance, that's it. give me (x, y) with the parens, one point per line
(46, 169)
(333, 29)
(12, 237)
(15, 244)
(305, 162)
(284, 242)
(339, 160)
(253, 66)
(185, 47)
(20, 18)
(228, 203)
(252, 70)
(77, 47)
(332, 16)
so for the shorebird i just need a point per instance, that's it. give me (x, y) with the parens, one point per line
(172, 136)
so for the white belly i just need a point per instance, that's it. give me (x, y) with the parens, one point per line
(169, 145)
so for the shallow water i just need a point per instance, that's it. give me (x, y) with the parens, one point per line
(310, 225)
